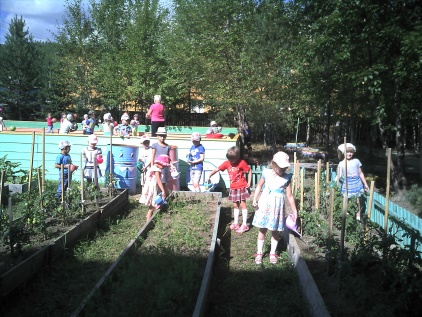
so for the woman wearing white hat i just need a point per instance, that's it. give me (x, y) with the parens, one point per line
(156, 114)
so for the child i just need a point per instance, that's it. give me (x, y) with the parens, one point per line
(356, 182)
(50, 128)
(90, 154)
(153, 185)
(108, 125)
(213, 128)
(124, 129)
(135, 123)
(239, 187)
(144, 156)
(2, 125)
(64, 159)
(269, 214)
(196, 160)
(161, 148)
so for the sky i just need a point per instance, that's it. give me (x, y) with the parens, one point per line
(40, 16)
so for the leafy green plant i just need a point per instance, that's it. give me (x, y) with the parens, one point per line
(414, 195)
(13, 175)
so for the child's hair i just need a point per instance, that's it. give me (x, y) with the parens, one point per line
(233, 153)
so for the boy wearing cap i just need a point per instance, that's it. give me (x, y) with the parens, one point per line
(124, 129)
(91, 154)
(64, 159)
(212, 128)
(196, 158)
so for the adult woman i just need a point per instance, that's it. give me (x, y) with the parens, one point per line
(156, 114)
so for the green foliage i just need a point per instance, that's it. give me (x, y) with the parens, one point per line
(13, 175)
(414, 196)
(20, 71)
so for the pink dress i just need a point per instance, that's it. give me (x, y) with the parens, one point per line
(150, 189)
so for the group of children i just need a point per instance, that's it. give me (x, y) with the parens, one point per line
(271, 192)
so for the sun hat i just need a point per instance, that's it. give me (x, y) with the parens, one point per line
(144, 138)
(125, 116)
(348, 146)
(291, 224)
(92, 139)
(63, 144)
(135, 115)
(281, 159)
(161, 131)
(107, 116)
(195, 136)
(213, 123)
(162, 160)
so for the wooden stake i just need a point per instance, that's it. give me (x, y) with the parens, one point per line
(345, 202)
(302, 184)
(387, 191)
(31, 165)
(82, 187)
(316, 191)
(371, 198)
(330, 221)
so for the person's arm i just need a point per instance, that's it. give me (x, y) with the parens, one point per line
(291, 201)
(148, 114)
(257, 192)
(211, 174)
(153, 151)
(60, 166)
(201, 159)
(160, 184)
(249, 178)
(362, 178)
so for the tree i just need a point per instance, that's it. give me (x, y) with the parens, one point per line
(20, 72)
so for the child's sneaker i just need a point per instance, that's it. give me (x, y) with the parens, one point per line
(234, 226)
(273, 258)
(242, 229)
(258, 258)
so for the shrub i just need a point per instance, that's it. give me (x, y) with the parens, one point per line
(414, 195)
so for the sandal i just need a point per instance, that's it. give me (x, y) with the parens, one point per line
(242, 229)
(234, 226)
(258, 258)
(273, 258)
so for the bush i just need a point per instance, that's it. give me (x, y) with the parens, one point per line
(414, 195)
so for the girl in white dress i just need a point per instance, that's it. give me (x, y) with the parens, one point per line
(270, 212)
(90, 153)
(154, 185)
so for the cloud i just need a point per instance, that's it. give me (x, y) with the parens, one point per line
(41, 16)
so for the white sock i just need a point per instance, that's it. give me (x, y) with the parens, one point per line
(274, 244)
(244, 216)
(260, 244)
(236, 216)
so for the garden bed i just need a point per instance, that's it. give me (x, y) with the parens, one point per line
(40, 252)
(167, 269)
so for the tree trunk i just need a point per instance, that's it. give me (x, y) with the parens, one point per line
(327, 136)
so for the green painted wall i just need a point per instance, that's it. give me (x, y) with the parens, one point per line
(141, 128)
(18, 147)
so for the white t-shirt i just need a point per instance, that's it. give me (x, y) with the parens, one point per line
(65, 127)
(352, 168)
